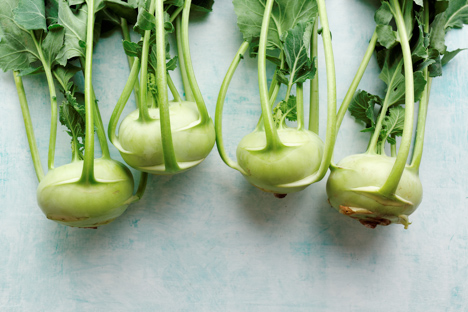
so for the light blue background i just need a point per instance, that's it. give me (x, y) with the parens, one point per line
(206, 240)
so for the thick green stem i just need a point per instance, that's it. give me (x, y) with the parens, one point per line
(53, 103)
(170, 161)
(87, 175)
(220, 105)
(423, 106)
(300, 106)
(314, 107)
(272, 139)
(331, 93)
(357, 79)
(393, 150)
(143, 108)
(126, 36)
(101, 133)
(176, 14)
(204, 116)
(29, 127)
(390, 186)
(119, 107)
(183, 70)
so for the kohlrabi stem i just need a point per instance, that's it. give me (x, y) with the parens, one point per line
(331, 93)
(176, 13)
(357, 79)
(170, 161)
(300, 105)
(143, 108)
(183, 70)
(220, 105)
(119, 107)
(273, 141)
(188, 64)
(383, 111)
(29, 127)
(101, 133)
(173, 89)
(87, 175)
(393, 179)
(53, 103)
(423, 106)
(126, 36)
(393, 150)
(314, 107)
(141, 188)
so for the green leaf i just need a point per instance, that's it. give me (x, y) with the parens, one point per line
(285, 15)
(75, 32)
(52, 45)
(30, 14)
(17, 49)
(386, 36)
(296, 43)
(393, 124)
(362, 107)
(72, 116)
(145, 21)
(123, 9)
(64, 74)
(133, 49)
(449, 55)
(205, 6)
(383, 16)
(51, 12)
(437, 36)
(456, 14)
(285, 110)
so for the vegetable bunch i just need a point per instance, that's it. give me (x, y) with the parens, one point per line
(275, 157)
(376, 188)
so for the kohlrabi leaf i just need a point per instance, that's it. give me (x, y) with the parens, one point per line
(285, 15)
(51, 10)
(296, 43)
(202, 5)
(456, 14)
(393, 124)
(145, 21)
(64, 74)
(30, 14)
(449, 55)
(132, 49)
(285, 109)
(437, 36)
(386, 36)
(123, 9)
(72, 116)
(362, 107)
(383, 16)
(75, 32)
(52, 44)
(17, 49)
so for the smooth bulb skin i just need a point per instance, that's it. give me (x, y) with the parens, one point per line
(192, 141)
(268, 170)
(65, 200)
(353, 185)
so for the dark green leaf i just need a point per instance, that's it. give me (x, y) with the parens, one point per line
(383, 16)
(456, 14)
(30, 14)
(449, 55)
(386, 36)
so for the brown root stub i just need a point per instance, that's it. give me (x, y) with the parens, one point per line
(280, 195)
(346, 210)
(371, 223)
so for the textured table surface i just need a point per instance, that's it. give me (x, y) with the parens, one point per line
(206, 240)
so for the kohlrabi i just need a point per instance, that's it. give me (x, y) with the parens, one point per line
(38, 37)
(374, 188)
(275, 157)
(162, 136)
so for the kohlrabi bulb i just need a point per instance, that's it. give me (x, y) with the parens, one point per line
(353, 189)
(192, 140)
(299, 158)
(65, 199)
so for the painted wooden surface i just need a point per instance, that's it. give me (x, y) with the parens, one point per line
(206, 240)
